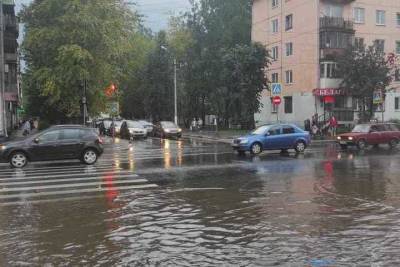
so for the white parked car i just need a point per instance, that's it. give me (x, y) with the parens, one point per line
(132, 129)
(148, 126)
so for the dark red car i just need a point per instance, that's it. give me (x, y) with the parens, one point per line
(364, 135)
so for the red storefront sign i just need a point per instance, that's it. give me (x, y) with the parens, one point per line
(328, 91)
(329, 99)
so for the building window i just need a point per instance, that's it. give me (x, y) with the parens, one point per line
(322, 70)
(359, 15)
(398, 47)
(329, 70)
(335, 39)
(275, 3)
(380, 45)
(332, 10)
(398, 19)
(274, 108)
(289, 76)
(359, 43)
(380, 17)
(275, 26)
(275, 78)
(288, 104)
(396, 103)
(289, 22)
(289, 49)
(275, 53)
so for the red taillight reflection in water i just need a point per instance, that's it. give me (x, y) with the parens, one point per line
(111, 192)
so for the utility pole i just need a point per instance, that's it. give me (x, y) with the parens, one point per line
(175, 95)
(3, 123)
(84, 102)
(175, 87)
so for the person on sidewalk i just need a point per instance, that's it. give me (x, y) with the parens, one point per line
(333, 124)
(26, 128)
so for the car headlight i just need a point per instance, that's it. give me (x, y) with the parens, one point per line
(244, 141)
(130, 131)
(350, 138)
(339, 138)
(166, 130)
(179, 130)
(3, 147)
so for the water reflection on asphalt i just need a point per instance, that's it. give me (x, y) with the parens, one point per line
(210, 208)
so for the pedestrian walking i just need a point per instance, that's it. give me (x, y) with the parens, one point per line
(26, 128)
(307, 125)
(333, 124)
(314, 130)
(102, 128)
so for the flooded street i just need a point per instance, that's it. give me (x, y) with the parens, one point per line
(189, 203)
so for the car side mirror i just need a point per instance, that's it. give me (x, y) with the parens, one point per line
(36, 140)
(268, 134)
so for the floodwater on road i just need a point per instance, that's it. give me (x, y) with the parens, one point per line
(189, 203)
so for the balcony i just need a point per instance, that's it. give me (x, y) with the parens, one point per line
(11, 23)
(337, 24)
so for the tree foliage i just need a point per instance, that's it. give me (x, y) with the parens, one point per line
(67, 42)
(365, 70)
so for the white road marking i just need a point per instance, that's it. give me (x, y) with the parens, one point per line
(98, 184)
(54, 181)
(78, 191)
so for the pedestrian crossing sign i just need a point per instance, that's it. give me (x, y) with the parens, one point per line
(276, 88)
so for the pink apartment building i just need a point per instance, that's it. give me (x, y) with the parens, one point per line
(304, 38)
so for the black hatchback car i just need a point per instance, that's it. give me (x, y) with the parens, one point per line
(56, 143)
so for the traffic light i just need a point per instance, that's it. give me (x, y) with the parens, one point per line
(111, 90)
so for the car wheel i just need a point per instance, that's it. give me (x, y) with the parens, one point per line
(89, 157)
(300, 147)
(361, 144)
(256, 148)
(18, 160)
(344, 147)
(393, 143)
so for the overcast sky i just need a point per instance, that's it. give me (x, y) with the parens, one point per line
(155, 12)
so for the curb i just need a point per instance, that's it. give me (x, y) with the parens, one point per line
(229, 140)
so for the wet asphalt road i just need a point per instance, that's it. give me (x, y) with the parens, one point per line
(189, 203)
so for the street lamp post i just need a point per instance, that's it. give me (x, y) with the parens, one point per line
(2, 102)
(175, 89)
(175, 96)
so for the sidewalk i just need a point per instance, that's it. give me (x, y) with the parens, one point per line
(228, 136)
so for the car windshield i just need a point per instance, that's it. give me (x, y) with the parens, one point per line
(145, 123)
(134, 124)
(261, 130)
(168, 124)
(107, 124)
(361, 128)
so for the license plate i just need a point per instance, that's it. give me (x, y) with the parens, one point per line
(343, 142)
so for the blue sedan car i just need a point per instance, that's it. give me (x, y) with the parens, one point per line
(273, 137)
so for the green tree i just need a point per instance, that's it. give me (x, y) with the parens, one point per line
(157, 81)
(241, 84)
(67, 42)
(365, 71)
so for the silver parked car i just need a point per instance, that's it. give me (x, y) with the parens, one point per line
(132, 129)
